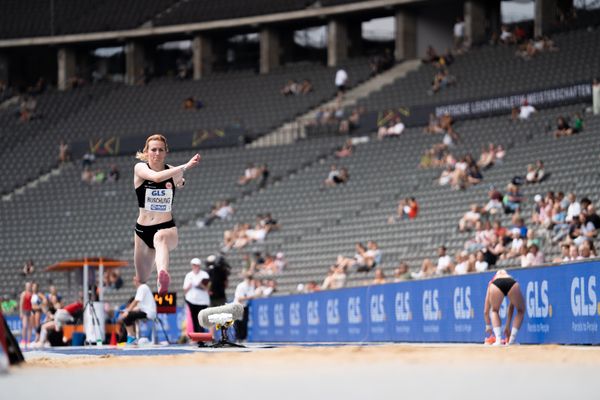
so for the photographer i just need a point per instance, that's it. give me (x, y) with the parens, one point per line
(218, 270)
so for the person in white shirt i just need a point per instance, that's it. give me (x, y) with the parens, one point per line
(196, 285)
(393, 130)
(574, 208)
(341, 79)
(596, 97)
(143, 306)
(444, 262)
(244, 291)
(526, 110)
(459, 33)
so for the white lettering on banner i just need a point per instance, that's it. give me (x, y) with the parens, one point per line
(354, 314)
(462, 303)
(584, 302)
(278, 315)
(333, 313)
(538, 304)
(158, 200)
(377, 308)
(506, 103)
(295, 319)
(263, 315)
(584, 327)
(312, 312)
(431, 307)
(403, 306)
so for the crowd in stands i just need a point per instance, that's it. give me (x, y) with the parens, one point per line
(294, 88)
(242, 235)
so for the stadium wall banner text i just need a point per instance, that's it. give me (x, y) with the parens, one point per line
(561, 307)
(419, 115)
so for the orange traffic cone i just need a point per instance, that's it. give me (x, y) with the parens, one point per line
(113, 339)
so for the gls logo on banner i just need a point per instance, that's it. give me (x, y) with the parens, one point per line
(354, 314)
(584, 302)
(333, 313)
(538, 304)
(263, 315)
(278, 315)
(312, 312)
(431, 306)
(462, 303)
(295, 319)
(403, 312)
(377, 308)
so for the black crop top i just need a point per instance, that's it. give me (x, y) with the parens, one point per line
(156, 196)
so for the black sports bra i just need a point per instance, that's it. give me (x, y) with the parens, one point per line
(156, 196)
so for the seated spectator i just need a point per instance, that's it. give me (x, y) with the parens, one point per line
(564, 254)
(563, 128)
(250, 173)
(191, 103)
(395, 128)
(407, 208)
(441, 80)
(428, 269)
(573, 207)
(346, 150)
(28, 268)
(114, 174)
(488, 156)
(335, 279)
(577, 123)
(470, 218)
(525, 111)
(88, 159)
(379, 277)
(312, 287)
(431, 55)
(63, 152)
(500, 154)
(481, 265)
(512, 199)
(280, 262)
(62, 316)
(434, 126)
(445, 60)
(306, 87)
(494, 204)
(516, 244)
(371, 257)
(506, 36)
(336, 176)
(464, 264)
(533, 257)
(535, 173)
(290, 88)
(221, 210)
(99, 176)
(401, 273)
(474, 176)
(352, 122)
(142, 306)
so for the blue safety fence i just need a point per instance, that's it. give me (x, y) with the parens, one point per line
(561, 307)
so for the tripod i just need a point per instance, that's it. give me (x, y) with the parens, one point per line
(95, 321)
(224, 342)
(162, 328)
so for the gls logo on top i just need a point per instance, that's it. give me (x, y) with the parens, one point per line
(312, 312)
(431, 305)
(263, 315)
(538, 303)
(377, 308)
(402, 303)
(584, 301)
(333, 312)
(354, 314)
(462, 303)
(278, 315)
(295, 319)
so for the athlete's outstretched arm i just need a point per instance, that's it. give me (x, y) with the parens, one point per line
(142, 171)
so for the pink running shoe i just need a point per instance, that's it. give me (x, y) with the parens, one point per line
(162, 283)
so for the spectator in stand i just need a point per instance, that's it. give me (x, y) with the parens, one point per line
(533, 258)
(335, 279)
(470, 218)
(28, 268)
(434, 125)
(379, 277)
(114, 174)
(573, 208)
(336, 176)
(506, 36)
(563, 128)
(488, 156)
(441, 79)
(311, 287)
(221, 210)
(395, 128)
(564, 254)
(459, 34)
(525, 111)
(535, 172)
(306, 86)
(401, 273)
(64, 155)
(494, 204)
(462, 265)
(516, 244)
(346, 150)
(512, 199)
(428, 269)
(407, 208)
(589, 225)
(250, 173)
(577, 123)
(481, 265)
(431, 55)
(88, 159)
(341, 80)
(290, 88)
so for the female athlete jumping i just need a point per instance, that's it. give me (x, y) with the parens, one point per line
(155, 232)
(503, 285)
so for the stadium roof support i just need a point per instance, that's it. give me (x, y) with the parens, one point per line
(544, 16)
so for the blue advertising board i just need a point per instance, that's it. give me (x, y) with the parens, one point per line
(561, 307)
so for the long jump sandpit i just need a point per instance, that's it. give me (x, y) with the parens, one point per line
(412, 371)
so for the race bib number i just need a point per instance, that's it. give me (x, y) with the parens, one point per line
(159, 200)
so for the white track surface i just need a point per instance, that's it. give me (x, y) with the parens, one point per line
(393, 371)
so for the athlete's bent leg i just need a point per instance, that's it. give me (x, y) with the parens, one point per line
(516, 298)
